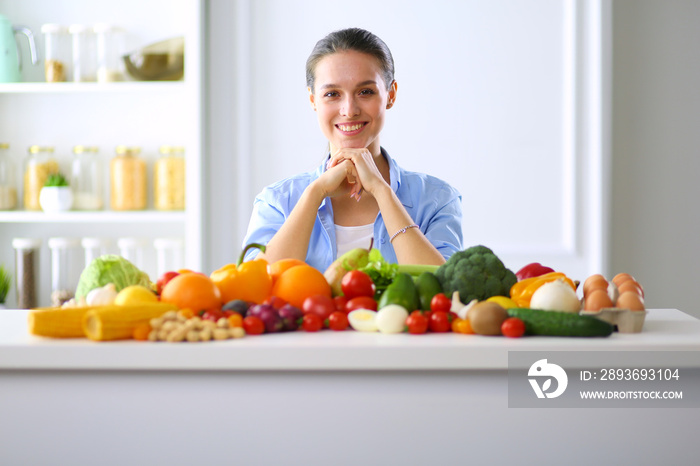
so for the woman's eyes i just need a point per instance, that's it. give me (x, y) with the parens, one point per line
(336, 93)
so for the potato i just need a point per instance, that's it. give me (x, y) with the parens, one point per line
(486, 318)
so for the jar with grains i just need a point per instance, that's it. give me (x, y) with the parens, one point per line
(64, 269)
(169, 179)
(26, 271)
(86, 178)
(8, 179)
(40, 164)
(84, 42)
(128, 179)
(111, 48)
(57, 53)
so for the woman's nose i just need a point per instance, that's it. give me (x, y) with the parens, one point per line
(349, 107)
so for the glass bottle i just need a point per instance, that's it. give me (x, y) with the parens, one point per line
(57, 53)
(64, 271)
(86, 178)
(169, 254)
(111, 47)
(169, 179)
(128, 179)
(26, 271)
(8, 179)
(84, 53)
(40, 164)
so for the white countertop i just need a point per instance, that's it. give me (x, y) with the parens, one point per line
(664, 330)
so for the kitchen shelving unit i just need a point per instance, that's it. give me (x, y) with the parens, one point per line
(145, 114)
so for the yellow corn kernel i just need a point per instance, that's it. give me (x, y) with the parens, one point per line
(118, 322)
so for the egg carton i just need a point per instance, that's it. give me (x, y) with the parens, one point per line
(624, 320)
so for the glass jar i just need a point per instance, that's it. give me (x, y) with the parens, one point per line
(132, 249)
(86, 178)
(40, 164)
(94, 248)
(26, 271)
(111, 47)
(128, 179)
(57, 53)
(169, 179)
(84, 48)
(64, 271)
(169, 254)
(8, 179)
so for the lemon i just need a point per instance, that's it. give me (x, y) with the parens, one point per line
(503, 301)
(135, 294)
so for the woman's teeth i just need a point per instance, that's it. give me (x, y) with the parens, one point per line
(350, 128)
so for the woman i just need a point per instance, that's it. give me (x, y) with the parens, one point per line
(359, 192)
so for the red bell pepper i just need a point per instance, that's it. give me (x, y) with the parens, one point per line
(534, 269)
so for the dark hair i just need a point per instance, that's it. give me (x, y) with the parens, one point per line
(355, 39)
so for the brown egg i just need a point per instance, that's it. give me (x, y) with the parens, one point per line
(630, 285)
(594, 282)
(620, 278)
(630, 300)
(597, 300)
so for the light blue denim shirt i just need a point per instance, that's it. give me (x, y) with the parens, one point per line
(432, 203)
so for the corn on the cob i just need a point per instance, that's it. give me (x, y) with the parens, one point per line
(115, 322)
(57, 322)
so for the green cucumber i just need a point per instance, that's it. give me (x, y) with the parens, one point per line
(560, 324)
(428, 286)
(415, 270)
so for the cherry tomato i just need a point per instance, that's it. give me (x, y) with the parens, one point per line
(164, 279)
(462, 326)
(357, 283)
(439, 322)
(235, 320)
(440, 302)
(212, 314)
(338, 321)
(312, 322)
(513, 327)
(417, 323)
(253, 325)
(340, 302)
(321, 305)
(361, 302)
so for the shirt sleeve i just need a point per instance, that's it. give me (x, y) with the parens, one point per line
(265, 221)
(445, 228)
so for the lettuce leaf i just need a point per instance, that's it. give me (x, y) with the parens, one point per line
(380, 271)
(110, 268)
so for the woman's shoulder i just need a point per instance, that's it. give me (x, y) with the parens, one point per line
(290, 187)
(419, 181)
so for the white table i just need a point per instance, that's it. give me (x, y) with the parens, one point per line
(324, 398)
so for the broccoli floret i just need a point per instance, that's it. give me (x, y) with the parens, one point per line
(477, 273)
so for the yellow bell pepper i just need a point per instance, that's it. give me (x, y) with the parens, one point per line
(523, 290)
(248, 281)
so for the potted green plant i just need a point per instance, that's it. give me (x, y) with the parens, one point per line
(4, 285)
(56, 195)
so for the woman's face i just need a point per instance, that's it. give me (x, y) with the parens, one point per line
(350, 99)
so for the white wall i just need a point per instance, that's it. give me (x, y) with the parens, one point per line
(656, 148)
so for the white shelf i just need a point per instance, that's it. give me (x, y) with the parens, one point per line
(140, 217)
(70, 88)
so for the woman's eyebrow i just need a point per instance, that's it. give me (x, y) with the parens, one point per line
(363, 83)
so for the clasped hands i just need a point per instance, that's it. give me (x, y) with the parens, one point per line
(351, 171)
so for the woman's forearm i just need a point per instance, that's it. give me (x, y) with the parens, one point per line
(411, 246)
(292, 239)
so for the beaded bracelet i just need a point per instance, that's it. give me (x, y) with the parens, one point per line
(403, 230)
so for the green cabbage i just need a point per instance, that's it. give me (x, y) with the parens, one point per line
(110, 268)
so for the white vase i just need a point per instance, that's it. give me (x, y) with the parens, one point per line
(56, 198)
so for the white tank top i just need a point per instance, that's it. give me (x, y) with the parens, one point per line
(348, 238)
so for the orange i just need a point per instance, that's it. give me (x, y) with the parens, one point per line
(277, 268)
(299, 282)
(192, 291)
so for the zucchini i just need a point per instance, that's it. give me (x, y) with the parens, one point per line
(560, 323)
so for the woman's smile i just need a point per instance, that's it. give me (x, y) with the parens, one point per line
(351, 129)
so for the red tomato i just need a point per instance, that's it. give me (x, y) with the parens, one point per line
(338, 321)
(340, 302)
(253, 325)
(361, 302)
(212, 314)
(440, 302)
(321, 305)
(513, 327)
(440, 322)
(312, 322)
(357, 283)
(417, 323)
(164, 279)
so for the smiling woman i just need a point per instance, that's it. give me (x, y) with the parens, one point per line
(413, 218)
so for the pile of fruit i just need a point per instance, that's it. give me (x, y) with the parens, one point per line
(472, 293)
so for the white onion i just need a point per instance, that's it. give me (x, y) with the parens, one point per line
(556, 295)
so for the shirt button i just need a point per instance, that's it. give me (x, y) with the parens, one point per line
(382, 240)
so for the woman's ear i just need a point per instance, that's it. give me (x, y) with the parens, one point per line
(311, 98)
(392, 95)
